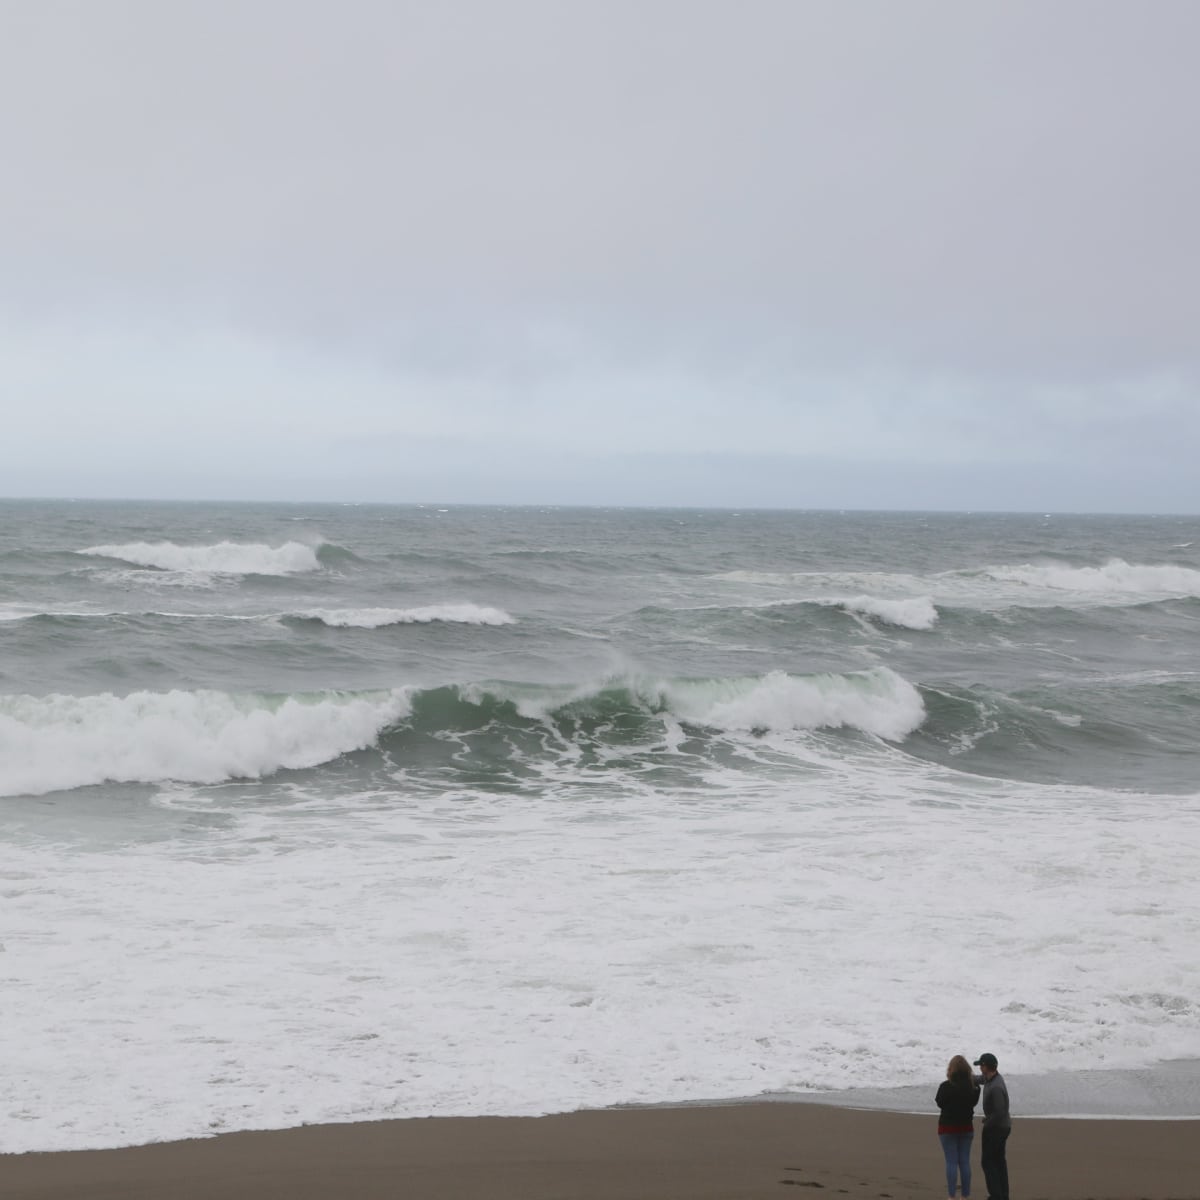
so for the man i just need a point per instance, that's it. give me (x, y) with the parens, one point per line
(997, 1125)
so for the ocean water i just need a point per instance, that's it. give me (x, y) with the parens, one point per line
(315, 813)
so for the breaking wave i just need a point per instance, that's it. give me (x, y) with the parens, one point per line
(1115, 578)
(223, 558)
(54, 743)
(916, 612)
(906, 599)
(374, 618)
(878, 702)
(58, 742)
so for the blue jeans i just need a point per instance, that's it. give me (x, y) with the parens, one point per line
(957, 1149)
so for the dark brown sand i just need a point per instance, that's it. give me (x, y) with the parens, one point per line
(705, 1153)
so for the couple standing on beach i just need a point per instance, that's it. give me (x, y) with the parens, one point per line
(956, 1100)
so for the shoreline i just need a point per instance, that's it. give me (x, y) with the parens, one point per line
(1166, 1091)
(701, 1152)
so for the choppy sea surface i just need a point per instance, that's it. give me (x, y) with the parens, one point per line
(315, 813)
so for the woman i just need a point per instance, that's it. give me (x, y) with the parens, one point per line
(956, 1100)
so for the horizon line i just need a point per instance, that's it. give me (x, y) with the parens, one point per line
(600, 507)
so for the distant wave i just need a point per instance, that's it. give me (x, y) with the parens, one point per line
(820, 581)
(909, 612)
(374, 618)
(53, 743)
(21, 612)
(223, 558)
(915, 612)
(58, 742)
(1116, 582)
(354, 618)
(1115, 578)
(78, 615)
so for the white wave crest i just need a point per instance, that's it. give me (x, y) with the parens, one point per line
(373, 618)
(877, 701)
(1115, 578)
(52, 743)
(22, 612)
(913, 612)
(223, 558)
(986, 588)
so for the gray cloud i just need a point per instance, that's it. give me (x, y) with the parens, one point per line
(927, 233)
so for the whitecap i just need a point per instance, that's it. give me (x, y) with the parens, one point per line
(56, 742)
(223, 558)
(913, 612)
(374, 618)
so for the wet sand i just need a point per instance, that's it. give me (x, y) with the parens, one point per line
(729, 1152)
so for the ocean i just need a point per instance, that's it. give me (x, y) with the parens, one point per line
(331, 812)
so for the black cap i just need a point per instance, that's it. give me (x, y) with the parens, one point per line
(987, 1060)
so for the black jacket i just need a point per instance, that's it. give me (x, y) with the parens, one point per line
(956, 1102)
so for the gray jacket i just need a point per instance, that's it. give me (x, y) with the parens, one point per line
(995, 1102)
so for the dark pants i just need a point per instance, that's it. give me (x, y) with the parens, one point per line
(994, 1163)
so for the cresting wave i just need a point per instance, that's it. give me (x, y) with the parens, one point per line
(911, 612)
(54, 743)
(341, 618)
(1115, 577)
(223, 558)
(375, 618)
(915, 612)
(878, 702)
(888, 594)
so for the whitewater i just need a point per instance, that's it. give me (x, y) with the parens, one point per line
(320, 813)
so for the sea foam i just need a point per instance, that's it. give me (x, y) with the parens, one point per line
(52, 743)
(223, 558)
(352, 961)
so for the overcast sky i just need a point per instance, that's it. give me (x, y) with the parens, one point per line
(875, 255)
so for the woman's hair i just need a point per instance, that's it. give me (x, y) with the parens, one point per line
(959, 1068)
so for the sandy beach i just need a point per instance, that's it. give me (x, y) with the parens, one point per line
(698, 1153)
